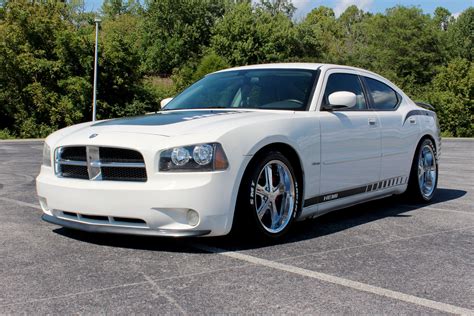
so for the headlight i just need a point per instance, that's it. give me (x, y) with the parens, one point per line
(46, 155)
(199, 157)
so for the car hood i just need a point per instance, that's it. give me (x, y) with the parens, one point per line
(182, 122)
(167, 124)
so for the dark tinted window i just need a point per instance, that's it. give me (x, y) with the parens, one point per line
(383, 96)
(285, 89)
(346, 82)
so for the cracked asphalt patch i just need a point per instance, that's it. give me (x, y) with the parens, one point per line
(383, 257)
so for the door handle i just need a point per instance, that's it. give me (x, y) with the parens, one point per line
(412, 120)
(372, 121)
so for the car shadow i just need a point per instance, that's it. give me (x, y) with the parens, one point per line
(330, 223)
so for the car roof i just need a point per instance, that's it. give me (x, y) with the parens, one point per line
(308, 66)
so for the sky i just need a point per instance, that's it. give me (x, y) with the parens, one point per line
(374, 6)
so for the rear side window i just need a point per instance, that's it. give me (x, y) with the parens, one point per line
(346, 82)
(384, 97)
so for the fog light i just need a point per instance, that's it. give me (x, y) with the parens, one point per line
(192, 217)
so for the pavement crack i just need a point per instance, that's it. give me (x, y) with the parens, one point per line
(73, 294)
(160, 292)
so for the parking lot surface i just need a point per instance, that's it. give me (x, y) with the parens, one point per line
(388, 256)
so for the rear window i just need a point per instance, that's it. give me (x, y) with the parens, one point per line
(383, 97)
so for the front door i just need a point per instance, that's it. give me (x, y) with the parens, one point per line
(350, 141)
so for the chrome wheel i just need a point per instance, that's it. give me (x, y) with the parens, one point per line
(427, 172)
(275, 197)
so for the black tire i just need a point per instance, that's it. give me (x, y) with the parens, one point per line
(247, 223)
(415, 190)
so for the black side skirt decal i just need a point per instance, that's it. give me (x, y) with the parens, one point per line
(383, 184)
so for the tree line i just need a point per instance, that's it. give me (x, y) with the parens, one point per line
(152, 50)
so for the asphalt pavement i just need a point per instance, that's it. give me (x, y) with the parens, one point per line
(383, 257)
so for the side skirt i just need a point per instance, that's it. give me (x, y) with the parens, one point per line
(324, 203)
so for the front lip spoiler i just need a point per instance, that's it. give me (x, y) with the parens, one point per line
(90, 228)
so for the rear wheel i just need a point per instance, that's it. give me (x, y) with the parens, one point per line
(424, 172)
(269, 197)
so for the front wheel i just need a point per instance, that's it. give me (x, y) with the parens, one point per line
(269, 196)
(424, 172)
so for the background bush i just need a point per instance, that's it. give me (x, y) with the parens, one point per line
(152, 51)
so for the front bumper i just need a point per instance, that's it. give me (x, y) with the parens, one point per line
(91, 228)
(158, 207)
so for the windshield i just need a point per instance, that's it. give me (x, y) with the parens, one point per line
(276, 89)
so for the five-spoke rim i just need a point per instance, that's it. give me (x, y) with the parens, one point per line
(427, 171)
(275, 196)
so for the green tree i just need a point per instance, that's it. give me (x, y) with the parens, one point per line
(120, 88)
(452, 93)
(462, 35)
(275, 7)
(194, 71)
(114, 8)
(46, 63)
(320, 36)
(353, 24)
(403, 46)
(39, 67)
(248, 35)
(176, 31)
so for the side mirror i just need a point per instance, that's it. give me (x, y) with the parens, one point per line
(164, 102)
(341, 100)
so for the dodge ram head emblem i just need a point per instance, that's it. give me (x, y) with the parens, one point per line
(93, 135)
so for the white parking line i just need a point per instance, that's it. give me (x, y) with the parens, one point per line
(443, 307)
(388, 241)
(20, 203)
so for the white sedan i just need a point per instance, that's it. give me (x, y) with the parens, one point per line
(251, 148)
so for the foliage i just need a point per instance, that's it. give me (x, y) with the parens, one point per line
(5, 134)
(47, 54)
(251, 35)
(46, 63)
(462, 35)
(403, 46)
(452, 92)
(320, 35)
(192, 72)
(39, 68)
(176, 31)
(275, 7)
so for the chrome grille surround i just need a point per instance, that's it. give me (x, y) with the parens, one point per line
(97, 163)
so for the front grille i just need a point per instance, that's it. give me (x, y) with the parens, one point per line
(122, 174)
(100, 163)
(74, 153)
(70, 171)
(108, 154)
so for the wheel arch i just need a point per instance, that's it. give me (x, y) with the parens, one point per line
(430, 137)
(291, 154)
(418, 143)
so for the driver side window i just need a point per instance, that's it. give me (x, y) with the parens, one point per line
(346, 82)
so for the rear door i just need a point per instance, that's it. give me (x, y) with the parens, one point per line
(350, 141)
(398, 135)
